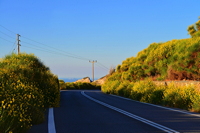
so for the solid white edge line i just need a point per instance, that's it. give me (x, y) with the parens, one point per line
(51, 123)
(184, 112)
(158, 126)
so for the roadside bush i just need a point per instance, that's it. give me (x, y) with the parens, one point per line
(157, 96)
(171, 95)
(109, 87)
(195, 98)
(121, 89)
(142, 91)
(17, 103)
(27, 87)
(81, 86)
(62, 84)
(180, 97)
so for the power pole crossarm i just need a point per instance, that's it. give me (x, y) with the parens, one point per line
(93, 68)
(18, 44)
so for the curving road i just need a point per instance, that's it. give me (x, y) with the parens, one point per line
(96, 112)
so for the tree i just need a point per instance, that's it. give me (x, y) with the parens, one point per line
(194, 30)
(198, 25)
(191, 30)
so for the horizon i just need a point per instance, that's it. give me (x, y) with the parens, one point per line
(74, 79)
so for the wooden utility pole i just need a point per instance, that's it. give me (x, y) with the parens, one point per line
(93, 69)
(18, 44)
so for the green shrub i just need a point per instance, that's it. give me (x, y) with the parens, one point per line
(180, 97)
(27, 87)
(142, 91)
(195, 98)
(82, 86)
(121, 89)
(184, 97)
(110, 87)
(62, 84)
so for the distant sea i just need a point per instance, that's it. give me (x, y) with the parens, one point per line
(71, 79)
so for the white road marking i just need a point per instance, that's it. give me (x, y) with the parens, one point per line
(158, 126)
(51, 124)
(184, 112)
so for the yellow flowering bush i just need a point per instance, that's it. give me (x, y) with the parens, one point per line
(27, 87)
(80, 86)
(171, 95)
(175, 96)
(142, 91)
(171, 60)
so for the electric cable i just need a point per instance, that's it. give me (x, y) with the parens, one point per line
(7, 29)
(103, 65)
(68, 54)
(12, 50)
(73, 55)
(6, 40)
(47, 48)
(7, 34)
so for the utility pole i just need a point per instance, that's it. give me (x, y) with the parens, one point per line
(18, 45)
(93, 68)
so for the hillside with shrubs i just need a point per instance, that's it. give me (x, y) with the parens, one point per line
(171, 60)
(27, 88)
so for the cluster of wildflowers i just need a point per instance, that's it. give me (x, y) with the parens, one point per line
(27, 87)
(171, 95)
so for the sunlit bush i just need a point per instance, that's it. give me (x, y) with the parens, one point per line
(171, 95)
(171, 60)
(81, 86)
(27, 87)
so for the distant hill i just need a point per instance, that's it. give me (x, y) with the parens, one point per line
(101, 80)
(84, 80)
(88, 80)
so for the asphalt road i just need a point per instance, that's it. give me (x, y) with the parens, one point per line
(96, 112)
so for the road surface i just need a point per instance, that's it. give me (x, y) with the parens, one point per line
(96, 112)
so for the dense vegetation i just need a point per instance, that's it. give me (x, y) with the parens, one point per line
(78, 86)
(172, 60)
(27, 87)
(184, 97)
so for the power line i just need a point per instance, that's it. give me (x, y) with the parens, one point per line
(7, 35)
(72, 55)
(34, 45)
(6, 40)
(50, 49)
(7, 29)
(52, 52)
(103, 65)
(39, 49)
(13, 48)
(68, 54)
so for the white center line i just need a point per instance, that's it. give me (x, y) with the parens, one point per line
(158, 126)
(51, 124)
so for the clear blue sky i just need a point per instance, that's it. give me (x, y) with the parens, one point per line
(108, 31)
